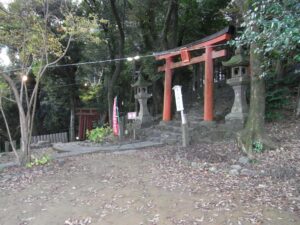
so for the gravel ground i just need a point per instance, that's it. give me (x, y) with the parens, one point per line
(199, 185)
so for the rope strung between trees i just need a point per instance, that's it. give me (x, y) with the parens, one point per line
(129, 59)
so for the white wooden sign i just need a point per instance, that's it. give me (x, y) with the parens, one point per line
(131, 115)
(178, 97)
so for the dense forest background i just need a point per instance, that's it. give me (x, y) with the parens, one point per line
(88, 74)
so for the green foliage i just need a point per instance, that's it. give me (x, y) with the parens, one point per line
(253, 161)
(274, 115)
(10, 110)
(195, 15)
(90, 92)
(274, 26)
(279, 94)
(276, 99)
(3, 88)
(39, 161)
(258, 147)
(82, 28)
(38, 38)
(22, 28)
(99, 134)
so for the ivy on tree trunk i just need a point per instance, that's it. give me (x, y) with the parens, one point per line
(254, 131)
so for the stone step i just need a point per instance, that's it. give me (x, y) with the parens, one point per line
(170, 134)
(153, 133)
(155, 139)
(170, 141)
(161, 136)
(190, 117)
(169, 128)
(176, 125)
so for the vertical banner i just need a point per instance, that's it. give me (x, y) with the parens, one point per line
(115, 118)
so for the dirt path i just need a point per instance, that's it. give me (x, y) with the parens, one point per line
(152, 186)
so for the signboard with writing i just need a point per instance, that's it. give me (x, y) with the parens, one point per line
(131, 115)
(178, 98)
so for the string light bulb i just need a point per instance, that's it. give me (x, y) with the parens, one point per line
(24, 78)
(129, 59)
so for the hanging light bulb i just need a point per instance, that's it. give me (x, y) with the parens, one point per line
(129, 59)
(137, 57)
(24, 78)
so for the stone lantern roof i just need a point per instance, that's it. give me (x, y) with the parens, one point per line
(141, 82)
(239, 59)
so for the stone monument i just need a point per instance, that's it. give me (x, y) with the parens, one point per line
(144, 118)
(239, 81)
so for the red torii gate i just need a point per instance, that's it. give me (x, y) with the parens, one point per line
(206, 43)
(86, 119)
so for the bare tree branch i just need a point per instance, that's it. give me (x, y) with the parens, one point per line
(8, 132)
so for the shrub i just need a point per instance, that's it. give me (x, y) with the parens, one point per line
(99, 134)
(37, 162)
(277, 98)
(258, 147)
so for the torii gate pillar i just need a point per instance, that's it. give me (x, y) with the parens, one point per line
(208, 86)
(167, 90)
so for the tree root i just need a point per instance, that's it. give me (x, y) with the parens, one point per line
(246, 139)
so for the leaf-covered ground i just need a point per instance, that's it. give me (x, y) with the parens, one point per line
(168, 185)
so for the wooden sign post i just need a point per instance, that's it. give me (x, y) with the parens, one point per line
(179, 107)
(132, 116)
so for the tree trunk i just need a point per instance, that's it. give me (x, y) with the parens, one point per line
(174, 28)
(8, 132)
(25, 145)
(279, 70)
(298, 103)
(118, 64)
(171, 20)
(110, 104)
(254, 131)
(148, 26)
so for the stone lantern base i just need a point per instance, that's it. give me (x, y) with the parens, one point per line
(144, 119)
(239, 110)
(143, 122)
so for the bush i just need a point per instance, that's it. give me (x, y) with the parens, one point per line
(39, 161)
(277, 97)
(99, 134)
(258, 147)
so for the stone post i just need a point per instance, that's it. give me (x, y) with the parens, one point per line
(6, 146)
(239, 110)
(185, 131)
(14, 144)
(121, 128)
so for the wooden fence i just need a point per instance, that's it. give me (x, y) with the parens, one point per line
(52, 138)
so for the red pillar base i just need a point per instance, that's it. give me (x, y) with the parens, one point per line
(209, 86)
(167, 90)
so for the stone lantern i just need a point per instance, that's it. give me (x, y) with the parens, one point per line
(144, 118)
(239, 82)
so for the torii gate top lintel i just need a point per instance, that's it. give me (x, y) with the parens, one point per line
(210, 40)
(184, 51)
